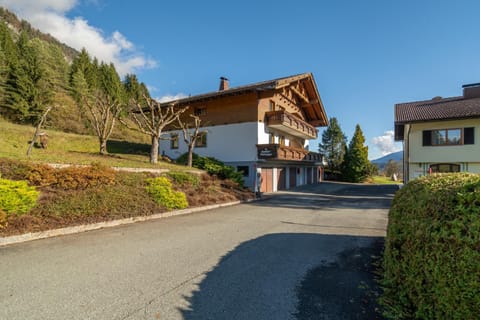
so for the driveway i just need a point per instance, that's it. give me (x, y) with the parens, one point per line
(296, 255)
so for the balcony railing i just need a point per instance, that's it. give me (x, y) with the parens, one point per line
(285, 121)
(278, 152)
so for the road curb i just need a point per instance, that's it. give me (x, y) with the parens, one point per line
(108, 224)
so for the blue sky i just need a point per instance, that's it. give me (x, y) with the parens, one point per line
(365, 55)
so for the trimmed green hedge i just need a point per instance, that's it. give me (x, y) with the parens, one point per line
(432, 252)
(161, 190)
(17, 197)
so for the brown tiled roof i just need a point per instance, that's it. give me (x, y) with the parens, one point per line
(437, 109)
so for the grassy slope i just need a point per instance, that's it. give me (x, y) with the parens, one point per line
(382, 180)
(74, 149)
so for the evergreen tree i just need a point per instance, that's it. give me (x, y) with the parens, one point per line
(333, 146)
(28, 88)
(356, 166)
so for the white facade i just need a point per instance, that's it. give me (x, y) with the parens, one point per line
(228, 143)
(236, 145)
(419, 158)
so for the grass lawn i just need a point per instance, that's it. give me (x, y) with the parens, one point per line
(382, 180)
(74, 149)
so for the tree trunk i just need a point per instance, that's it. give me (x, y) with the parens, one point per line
(103, 146)
(154, 150)
(37, 130)
(190, 156)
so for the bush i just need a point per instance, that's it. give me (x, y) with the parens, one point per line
(184, 178)
(69, 178)
(160, 189)
(432, 252)
(17, 197)
(213, 167)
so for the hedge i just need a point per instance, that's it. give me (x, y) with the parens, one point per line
(431, 265)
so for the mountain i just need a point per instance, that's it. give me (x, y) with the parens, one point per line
(395, 156)
(17, 26)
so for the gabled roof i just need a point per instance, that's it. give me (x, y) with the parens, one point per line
(314, 109)
(437, 109)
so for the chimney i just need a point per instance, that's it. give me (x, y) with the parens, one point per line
(223, 84)
(471, 90)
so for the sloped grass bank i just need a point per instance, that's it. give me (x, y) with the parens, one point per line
(78, 195)
(74, 149)
(432, 253)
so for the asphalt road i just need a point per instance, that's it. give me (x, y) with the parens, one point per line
(251, 261)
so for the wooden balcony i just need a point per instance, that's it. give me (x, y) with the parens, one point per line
(278, 152)
(291, 124)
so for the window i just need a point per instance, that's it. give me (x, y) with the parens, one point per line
(201, 141)
(447, 137)
(444, 167)
(200, 111)
(244, 170)
(174, 141)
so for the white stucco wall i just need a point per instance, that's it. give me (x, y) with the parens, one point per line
(421, 157)
(228, 143)
(454, 153)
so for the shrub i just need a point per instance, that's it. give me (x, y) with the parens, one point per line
(184, 178)
(17, 197)
(72, 178)
(69, 178)
(214, 167)
(432, 252)
(160, 189)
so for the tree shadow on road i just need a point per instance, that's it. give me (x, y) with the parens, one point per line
(276, 277)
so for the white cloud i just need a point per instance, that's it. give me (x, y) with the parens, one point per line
(167, 98)
(49, 16)
(386, 143)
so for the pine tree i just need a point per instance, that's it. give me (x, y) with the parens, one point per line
(333, 146)
(356, 166)
(28, 88)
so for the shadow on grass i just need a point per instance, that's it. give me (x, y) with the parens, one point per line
(125, 147)
(291, 276)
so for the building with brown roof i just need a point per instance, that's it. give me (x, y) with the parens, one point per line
(440, 135)
(262, 129)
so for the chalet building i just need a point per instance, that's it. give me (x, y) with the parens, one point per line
(261, 129)
(440, 135)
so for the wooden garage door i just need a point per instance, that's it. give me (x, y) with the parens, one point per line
(267, 180)
(281, 179)
(293, 177)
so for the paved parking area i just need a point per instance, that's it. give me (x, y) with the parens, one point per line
(250, 261)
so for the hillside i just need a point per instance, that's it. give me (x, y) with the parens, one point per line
(74, 149)
(36, 72)
(18, 26)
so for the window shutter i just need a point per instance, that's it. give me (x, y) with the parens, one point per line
(427, 137)
(469, 135)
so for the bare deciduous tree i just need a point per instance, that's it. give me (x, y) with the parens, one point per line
(37, 130)
(191, 131)
(151, 119)
(103, 112)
